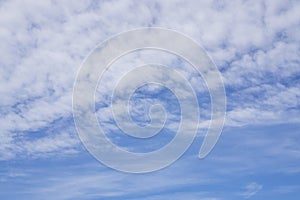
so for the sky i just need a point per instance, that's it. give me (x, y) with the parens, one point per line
(254, 44)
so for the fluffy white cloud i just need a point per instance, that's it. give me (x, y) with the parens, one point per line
(254, 43)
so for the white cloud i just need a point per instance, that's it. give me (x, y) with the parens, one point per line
(251, 189)
(255, 43)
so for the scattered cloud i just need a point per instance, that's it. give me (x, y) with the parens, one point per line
(255, 44)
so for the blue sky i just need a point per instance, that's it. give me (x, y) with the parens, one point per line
(255, 45)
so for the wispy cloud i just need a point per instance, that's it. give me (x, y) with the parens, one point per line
(251, 190)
